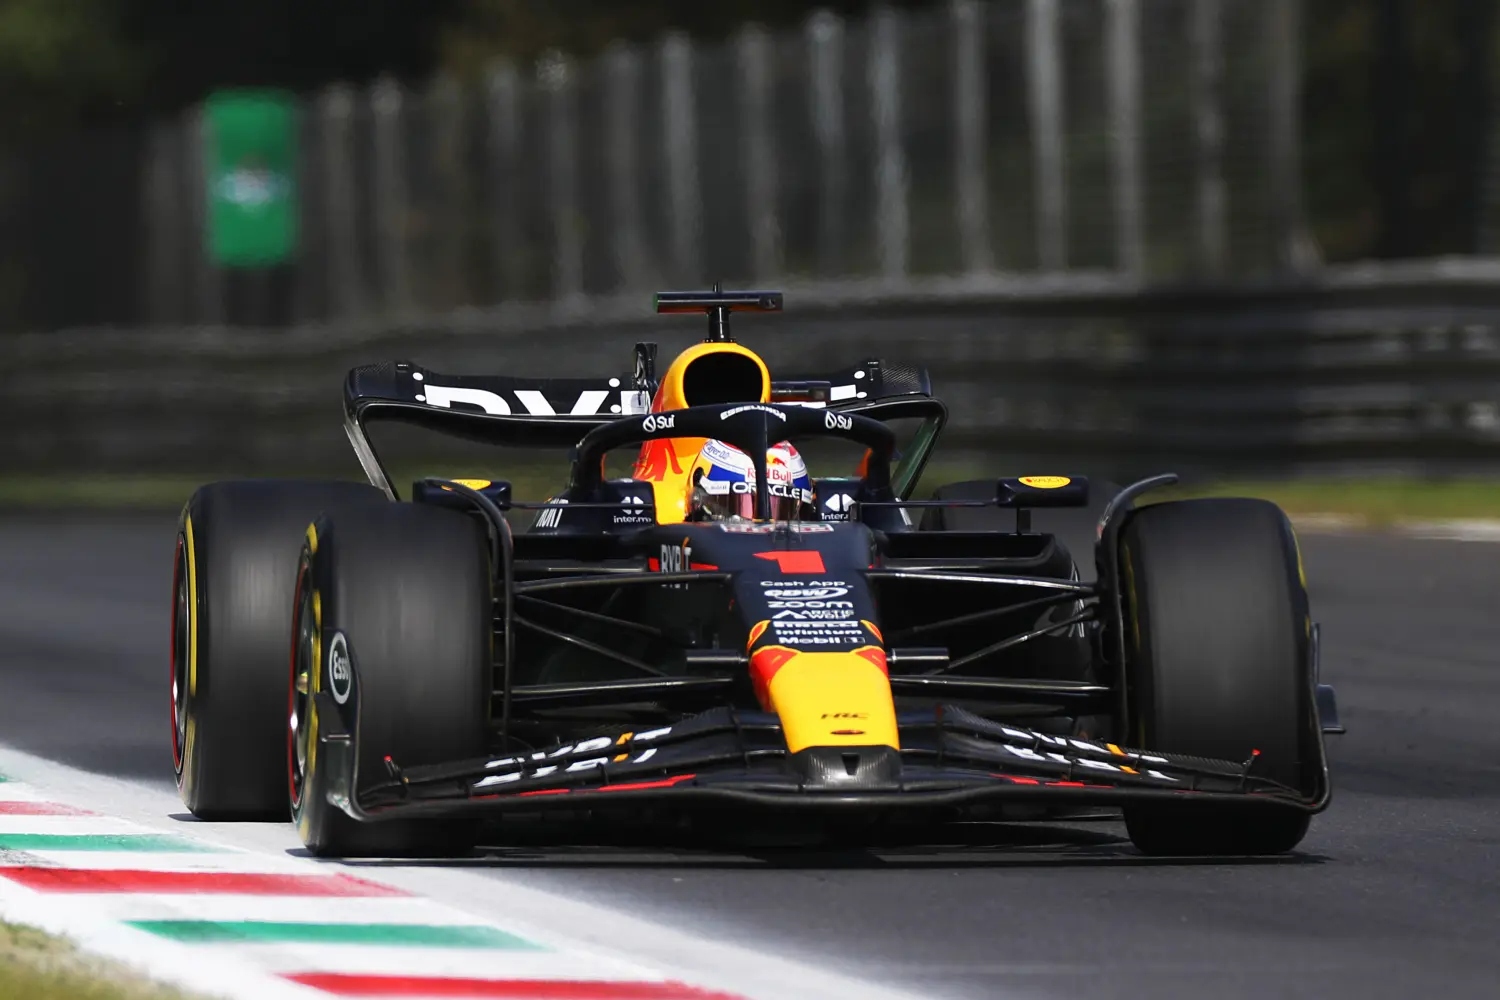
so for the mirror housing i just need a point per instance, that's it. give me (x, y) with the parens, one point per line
(498, 493)
(1042, 491)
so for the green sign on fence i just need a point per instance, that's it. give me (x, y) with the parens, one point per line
(251, 154)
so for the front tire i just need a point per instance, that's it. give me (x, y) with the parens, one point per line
(235, 560)
(406, 591)
(1217, 633)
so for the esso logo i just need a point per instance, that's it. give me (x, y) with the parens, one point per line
(659, 422)
(340, 672)
(837, 421)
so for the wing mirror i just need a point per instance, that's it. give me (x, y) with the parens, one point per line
(1043, 491)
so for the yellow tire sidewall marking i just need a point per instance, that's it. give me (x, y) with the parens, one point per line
(191, 735)
(192, 581)
(315, 684)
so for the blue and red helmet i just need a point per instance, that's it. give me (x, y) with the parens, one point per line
(721, 484)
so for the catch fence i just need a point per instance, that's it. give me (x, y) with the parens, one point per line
(1153, 139)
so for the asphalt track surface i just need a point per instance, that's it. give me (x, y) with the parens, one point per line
(1396, 892)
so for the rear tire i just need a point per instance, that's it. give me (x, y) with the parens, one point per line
(235, 561)
(1217, 621)
(408, 589)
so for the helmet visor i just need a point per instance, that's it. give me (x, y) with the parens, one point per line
(737, 503)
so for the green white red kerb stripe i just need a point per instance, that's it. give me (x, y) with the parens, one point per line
(253, 925)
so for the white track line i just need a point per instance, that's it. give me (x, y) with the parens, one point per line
(588, 941)
(1452, 530)
(1466, 530)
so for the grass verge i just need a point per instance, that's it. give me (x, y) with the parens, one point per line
(97, 492)
(37, 966)
(1378, 502)
(170, 492)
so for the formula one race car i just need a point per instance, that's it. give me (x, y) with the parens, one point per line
(722, 631)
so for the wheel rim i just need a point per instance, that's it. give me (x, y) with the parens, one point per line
(182, 630)
(304, 659)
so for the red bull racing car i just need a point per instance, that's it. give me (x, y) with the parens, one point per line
(725, 630)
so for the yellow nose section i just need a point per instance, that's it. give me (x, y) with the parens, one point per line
(827, 699)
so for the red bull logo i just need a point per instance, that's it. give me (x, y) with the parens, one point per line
(777, 470)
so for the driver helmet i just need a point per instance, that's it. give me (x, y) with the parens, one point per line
(721, 484)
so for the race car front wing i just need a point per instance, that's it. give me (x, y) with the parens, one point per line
(948, 757)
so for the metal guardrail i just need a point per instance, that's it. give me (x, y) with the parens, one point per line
(1364, 368)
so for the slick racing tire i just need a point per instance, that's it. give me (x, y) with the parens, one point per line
(1217, 634)
(235, 561)
(393, 631)
(1075, 527)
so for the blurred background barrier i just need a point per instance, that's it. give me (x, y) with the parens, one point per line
(1155, 139)
(1086, 217)
(1380, 368)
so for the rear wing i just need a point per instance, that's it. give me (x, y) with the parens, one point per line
(558, 412)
